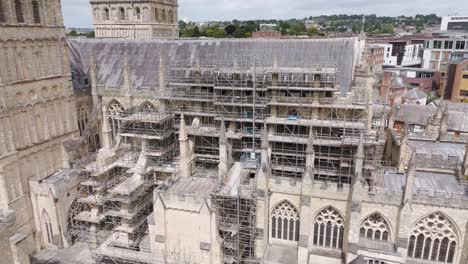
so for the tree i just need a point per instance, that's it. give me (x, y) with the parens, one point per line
(299, 29)
(312, 31)
(388, 29)
(90, 34)
(73, 33)
(284, 27)
(196, 32)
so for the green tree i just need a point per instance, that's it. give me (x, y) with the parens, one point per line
(196, 32)
(299, 29)
(284, 27)
(90, 34)
(73, 33)
(388, 29)
(312, 31)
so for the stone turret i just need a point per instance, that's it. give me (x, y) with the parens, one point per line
(185, 157)
(359, 160)
(410, 179)
(224, 159)
(126, 76)
(310, 158)
(404, 150)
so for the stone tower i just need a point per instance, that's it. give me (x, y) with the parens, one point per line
(136, 19)
(38, 114)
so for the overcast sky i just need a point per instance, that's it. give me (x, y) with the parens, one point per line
(77, 12)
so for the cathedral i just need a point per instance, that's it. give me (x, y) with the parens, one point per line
(165, 150)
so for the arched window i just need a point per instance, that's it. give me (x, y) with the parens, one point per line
(146, 107)
(375, 227)
(2, 14)
(138, 13)
(156, 14)
(285, 222)
(106, 14)
(163, 16)
(115, 109)
(329, 229)
(169, 17)
(83, 120)
(48, 227)
(122, 13)
(19, 11)
(434, 239)
(36, 15)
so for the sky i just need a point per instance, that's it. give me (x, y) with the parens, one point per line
(77, 13)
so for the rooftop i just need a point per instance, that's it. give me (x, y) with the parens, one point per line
(144, 56)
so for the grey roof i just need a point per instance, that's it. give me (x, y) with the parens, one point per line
(420, 114)
(415, 93)
(444, 149)
(426, 182)
(144, 56)
(414, 114)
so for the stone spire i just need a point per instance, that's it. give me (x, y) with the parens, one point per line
(265, 160)
(94, 81)
(359, 159)
(410, 178)
(184, 160)
(223, 165)
(126, 74)
(404, 149)
(310, 158)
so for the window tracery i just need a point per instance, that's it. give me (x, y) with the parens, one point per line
(329, 229)
(285, 222)
(375, 227)
(433, 238)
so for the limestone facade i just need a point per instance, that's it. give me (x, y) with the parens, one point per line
(135, 19)
(38, 115)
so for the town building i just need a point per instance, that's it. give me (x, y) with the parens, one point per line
(455, 82)
(377, 58)
(135, 19)
(401, 52)
(266, 34)
(444, 48)
(454, 23)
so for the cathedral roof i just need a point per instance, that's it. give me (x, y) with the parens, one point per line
(144, 56)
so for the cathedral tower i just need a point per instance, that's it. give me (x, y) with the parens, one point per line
(135, 18)
(37, 116)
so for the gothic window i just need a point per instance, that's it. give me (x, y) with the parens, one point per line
(115, 108)
(433, 239)
(169, 17)
(146, 107)
(83, 119)
(375, 227)
(48, 227)
(122, 13)
(2, 14)
(329, 229)
(36, 15)
(285, 222)
(106, 14)
(138, 13)
(156, 14)
(114, 111)
(19, 11)
(163, 16)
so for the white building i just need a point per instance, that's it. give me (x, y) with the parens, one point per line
(439, 51)
(454, 23)
(411, 56)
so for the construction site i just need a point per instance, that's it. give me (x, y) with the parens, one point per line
(211, 118)
(214, 159)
